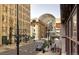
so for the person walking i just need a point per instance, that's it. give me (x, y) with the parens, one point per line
(53, 47)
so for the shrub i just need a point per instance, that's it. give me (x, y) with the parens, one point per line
(45, 44)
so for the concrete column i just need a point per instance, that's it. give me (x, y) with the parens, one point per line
(36, 32)
(62, 33)
(31, 31)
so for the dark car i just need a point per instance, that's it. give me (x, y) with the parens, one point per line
(39, 46)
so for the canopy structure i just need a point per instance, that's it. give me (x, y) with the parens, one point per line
(45, 18)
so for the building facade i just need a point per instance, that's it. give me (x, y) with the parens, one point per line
(24, 20)
(49, 20)
(44, 26)
(58, 26)
(38, 29)
(8, 18)
(70, 28)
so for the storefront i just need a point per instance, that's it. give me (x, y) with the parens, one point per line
(71, 28)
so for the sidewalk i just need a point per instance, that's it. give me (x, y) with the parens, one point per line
(11, 46)
(48, 53)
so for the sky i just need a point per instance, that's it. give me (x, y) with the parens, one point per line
(38, 9)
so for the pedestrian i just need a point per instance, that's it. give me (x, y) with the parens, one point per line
(53, 47)
(43, 50)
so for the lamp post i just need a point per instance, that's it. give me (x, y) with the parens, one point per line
(48, 38)
(17, 32)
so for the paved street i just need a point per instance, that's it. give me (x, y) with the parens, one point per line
(28, 49)
(46, 53)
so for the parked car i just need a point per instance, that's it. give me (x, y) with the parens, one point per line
(39, 46)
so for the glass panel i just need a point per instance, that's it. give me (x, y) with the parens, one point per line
(75, 32)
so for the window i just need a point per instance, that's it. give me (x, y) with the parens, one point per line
(70, 28)
(34, 30)
(2, 17)
(74, 31)
(6, 9)
(75, 25)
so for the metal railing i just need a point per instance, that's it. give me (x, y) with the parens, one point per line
(77, 42)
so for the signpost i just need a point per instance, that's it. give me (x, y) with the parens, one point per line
(17, 33)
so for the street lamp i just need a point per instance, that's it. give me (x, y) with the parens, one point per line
(17, 32)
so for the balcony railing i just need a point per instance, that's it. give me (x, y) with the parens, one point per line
(77, 42)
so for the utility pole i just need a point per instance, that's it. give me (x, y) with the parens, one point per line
(17, 32)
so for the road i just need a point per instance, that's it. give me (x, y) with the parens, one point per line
(28, 49)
